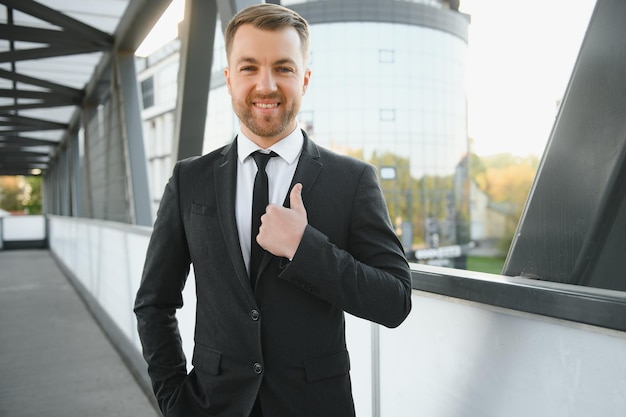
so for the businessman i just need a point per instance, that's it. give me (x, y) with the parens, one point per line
(284, 237)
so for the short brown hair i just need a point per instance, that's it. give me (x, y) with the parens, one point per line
(267, 16)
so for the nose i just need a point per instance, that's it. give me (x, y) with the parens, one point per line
(266, 82)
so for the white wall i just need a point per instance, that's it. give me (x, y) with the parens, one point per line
(107, 259)
(20, 228)
(450, 358)
(454, 358)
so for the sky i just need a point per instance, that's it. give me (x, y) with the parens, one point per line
(520, 58)
(165, 30)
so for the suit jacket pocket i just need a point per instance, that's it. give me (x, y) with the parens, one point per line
(327, 366)
(203, 210)
(206, 360)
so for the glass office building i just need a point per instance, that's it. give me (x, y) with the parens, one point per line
(387, 86)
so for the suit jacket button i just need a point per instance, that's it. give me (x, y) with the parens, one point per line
(254, 315)
(257, 367)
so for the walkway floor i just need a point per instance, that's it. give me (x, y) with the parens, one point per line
(54, 359)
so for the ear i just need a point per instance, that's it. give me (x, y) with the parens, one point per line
(307, 77)
(227, 77)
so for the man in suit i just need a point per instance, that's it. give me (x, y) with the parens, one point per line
(269, 342)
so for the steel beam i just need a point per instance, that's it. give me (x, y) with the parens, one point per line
(57, 18)
(573, 228)
(197, 34)
(133, 132)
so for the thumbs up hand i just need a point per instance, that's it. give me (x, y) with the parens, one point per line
(282, 228)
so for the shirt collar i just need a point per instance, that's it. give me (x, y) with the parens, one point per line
(287, 148)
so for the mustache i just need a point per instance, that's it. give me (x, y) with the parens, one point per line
(273, 96)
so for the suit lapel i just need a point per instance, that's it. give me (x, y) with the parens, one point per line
(226, 191)
(308, 169)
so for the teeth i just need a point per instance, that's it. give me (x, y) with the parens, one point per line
(266, 106)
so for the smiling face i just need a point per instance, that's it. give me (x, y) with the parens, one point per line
(266, 79)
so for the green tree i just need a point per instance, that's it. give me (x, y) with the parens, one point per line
(34, 202)
(11, 193)
(18, 193)
(506, 179)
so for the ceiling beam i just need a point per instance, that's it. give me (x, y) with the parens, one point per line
(58, 19)
(39, 95)
(48, 52)
(46, 104)
(53, 87)
(18, 140)
(48, 36)
(10, 119)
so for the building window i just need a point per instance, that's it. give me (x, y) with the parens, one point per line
(147, 92)
(387, 115)
(386, 56)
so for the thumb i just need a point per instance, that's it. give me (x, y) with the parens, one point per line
(295, 198)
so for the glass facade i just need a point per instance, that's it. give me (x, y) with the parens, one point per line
(392, 94)
(389, 89)
(388, 86)
(158, 76)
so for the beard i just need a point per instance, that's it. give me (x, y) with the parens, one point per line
(266, 126)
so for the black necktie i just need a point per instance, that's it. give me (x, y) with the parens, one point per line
(260, 200)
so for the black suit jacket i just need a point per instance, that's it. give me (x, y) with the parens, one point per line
(285, 342)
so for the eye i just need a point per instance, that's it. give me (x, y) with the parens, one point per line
(284, 70)
(247, 68)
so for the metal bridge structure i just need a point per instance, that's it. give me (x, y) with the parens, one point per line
(545, 337)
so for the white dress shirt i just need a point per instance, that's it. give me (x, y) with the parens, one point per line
(280, 171)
